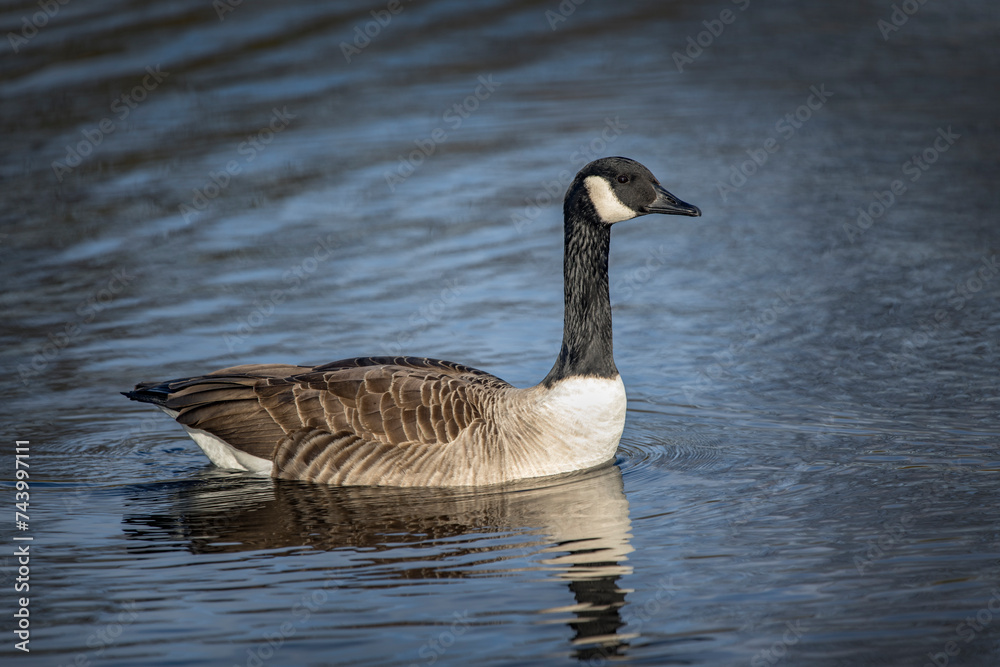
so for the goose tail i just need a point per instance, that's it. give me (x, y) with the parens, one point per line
(155, 393)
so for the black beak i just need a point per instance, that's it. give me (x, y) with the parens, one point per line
(671, 205)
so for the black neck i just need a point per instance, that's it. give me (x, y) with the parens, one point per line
(586, 346)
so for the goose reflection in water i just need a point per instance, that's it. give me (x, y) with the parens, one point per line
(572, 528)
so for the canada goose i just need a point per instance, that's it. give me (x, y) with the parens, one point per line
(405, 421)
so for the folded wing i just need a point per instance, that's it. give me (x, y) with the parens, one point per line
(367, 420)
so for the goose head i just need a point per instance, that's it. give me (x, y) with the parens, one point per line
(618, 188)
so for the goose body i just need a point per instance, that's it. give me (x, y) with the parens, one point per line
(407, 421)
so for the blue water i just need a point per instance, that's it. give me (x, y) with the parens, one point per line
(809, 471)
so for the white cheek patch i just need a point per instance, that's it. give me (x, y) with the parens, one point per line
(609, 207)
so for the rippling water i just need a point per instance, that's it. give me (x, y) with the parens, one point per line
(809, 470)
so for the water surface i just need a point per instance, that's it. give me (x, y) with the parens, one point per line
(809, 469)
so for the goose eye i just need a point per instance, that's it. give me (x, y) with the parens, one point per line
(623, 179)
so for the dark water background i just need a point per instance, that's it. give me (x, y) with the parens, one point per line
(809, 471)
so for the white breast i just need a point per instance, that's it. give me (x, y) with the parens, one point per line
(582, 419)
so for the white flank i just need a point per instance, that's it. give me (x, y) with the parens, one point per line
(609, 207)
(221, 453)
(225, 455)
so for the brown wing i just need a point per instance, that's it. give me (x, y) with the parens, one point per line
(224, 403)
(320, 423)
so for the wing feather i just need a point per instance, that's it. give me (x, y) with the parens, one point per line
(408, 420)
(350, 420)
